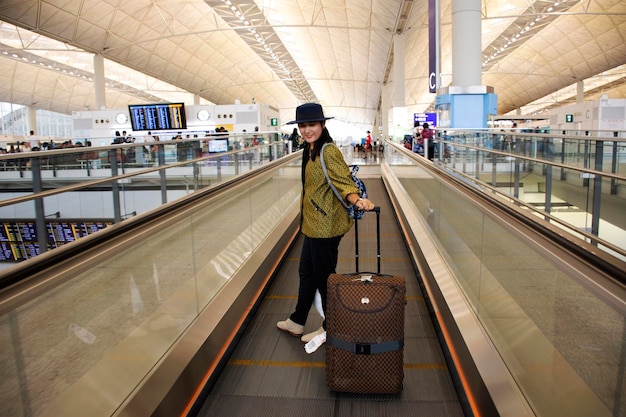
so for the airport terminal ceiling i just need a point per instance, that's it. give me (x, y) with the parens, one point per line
(285, 52)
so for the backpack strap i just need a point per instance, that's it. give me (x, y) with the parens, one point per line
(330, 183)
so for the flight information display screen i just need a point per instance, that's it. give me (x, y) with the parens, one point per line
(166, 116)
(218, 145)
(18, 238)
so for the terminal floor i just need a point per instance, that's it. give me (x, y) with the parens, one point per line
(270, 374)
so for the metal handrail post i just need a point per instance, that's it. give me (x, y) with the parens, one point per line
(115, 187)
(40, 216)
(161, 159)
(597, 191)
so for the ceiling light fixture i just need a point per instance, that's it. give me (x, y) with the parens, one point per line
(533, 19)
(259, 34)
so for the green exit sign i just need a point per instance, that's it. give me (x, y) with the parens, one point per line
(569, 118)
(274, 121)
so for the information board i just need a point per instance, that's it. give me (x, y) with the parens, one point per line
(166, 116)
(421, 118)
(18, 238)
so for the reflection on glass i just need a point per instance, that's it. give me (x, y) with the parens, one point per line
(563, 345)
(124, 311)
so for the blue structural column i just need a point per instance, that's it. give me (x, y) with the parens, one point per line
(466, 103)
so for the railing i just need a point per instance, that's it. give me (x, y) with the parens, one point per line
(55, 196)
(544, 173)
(109, 324)
(535, 319)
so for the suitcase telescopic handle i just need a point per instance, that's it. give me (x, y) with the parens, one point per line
(356, 240)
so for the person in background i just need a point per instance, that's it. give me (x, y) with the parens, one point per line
(117, 139)
(33, 140)
(427, 135)
(256, 140)
(323, 218)
(294, 139)
(368, 142)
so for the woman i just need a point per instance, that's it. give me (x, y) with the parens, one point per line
(323, 218)
(293, 138)
(427, 134)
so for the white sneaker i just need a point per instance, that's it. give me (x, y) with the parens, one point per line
(291, 327)
(309, 336)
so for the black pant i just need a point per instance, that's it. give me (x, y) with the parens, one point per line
(317, 261)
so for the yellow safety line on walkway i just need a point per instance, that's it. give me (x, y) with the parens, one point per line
(292, 364)
(425, 366)
(414, 297)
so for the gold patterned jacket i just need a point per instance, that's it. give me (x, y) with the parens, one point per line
(321, 213)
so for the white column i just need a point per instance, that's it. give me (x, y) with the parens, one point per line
(466, 43)
(31, 119)
(580, 91)
(399, 122)
(98, 70)
(384, 111)
(398, 71)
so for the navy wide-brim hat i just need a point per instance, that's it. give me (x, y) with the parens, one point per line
(309, 112)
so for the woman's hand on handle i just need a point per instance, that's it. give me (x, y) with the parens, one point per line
(364, 204)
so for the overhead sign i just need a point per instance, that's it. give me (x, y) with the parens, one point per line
(421, 118)
(432, 46)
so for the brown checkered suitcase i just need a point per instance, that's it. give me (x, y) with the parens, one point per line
(365, 329)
